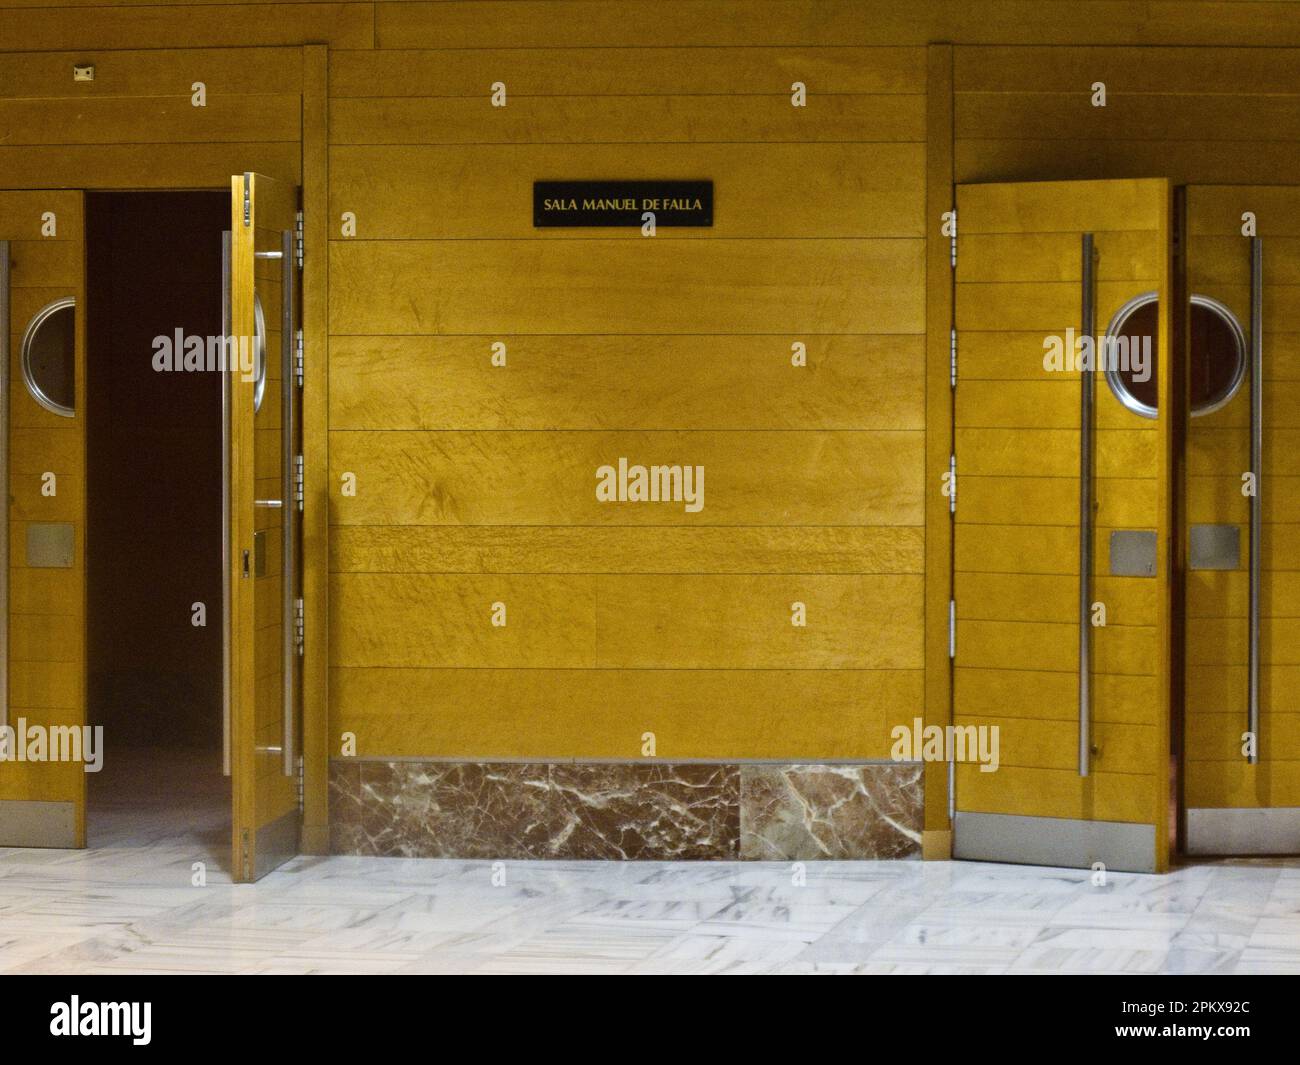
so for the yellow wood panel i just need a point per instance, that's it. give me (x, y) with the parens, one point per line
(1020, 452)
(1165, 72)
(1054, 696)
(1050, 307)
(601, 382)
(89, 28)
(1057, 793)
(751, 478)
(483, 191)
(1187, 116)
(646, 286)
(1052, 256)
(648, 119)
(578, 23)
(532, 713)
(1034, 743)
(663, 549)
(46, 623)
(1237, 784)
(1124, 502)
(1051, 597)
(1217, 737)
(170, 119)
(626, 621)
(1182, 162)
(1220, 688)
(1216, 211)
(616, 71)
(224, 71)
(153, 166)
(1125, 650)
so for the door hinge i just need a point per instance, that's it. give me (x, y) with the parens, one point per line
(299, 626)
(299, 488)
(248, 199)
(244, 860)
(300, 240)
(952, 484)
(299, 358)
(302, 786)
(952, 355)
(952, 628)
(952, 241)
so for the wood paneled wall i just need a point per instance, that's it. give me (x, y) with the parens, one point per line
(476, 483)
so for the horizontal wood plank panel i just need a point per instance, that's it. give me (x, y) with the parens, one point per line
(89, 27)
(147, 119)
(482, 191)
(735, 286)
(601, 382)
(723, 118)
(626, 621)
(532, 713)
(649, 70)
(411, 478)
(223, 71)
(661, 549)
(168, 166)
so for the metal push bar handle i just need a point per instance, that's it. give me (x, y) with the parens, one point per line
(225, 511)
(288, 576)
(4, 482)
(1257, 468)
(1086, 448)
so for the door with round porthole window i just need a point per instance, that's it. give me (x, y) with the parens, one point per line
(1241, 727)
(43, 539)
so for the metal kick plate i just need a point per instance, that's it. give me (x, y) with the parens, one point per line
(1132, 553)
(259, 553)
(1215, 547)
(50, 545)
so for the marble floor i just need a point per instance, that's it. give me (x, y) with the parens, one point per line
(128, 904)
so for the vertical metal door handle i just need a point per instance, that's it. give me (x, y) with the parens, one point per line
(288, 456)
(4, 482)
(1088, 328)
(225, 505)
(1257, 468)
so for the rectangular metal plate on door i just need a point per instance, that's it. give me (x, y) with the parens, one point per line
(1133, 553)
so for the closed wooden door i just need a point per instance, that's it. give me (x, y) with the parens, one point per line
(45, 747)
(1061, 537)
(1241, 773)
(264, 521)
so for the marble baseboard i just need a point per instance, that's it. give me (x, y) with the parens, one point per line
(637, 811)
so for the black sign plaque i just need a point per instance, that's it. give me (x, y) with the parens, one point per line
(622, 203)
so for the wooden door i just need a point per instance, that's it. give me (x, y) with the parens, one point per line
(264, 508)
(45, 746)
(1236, 803)
(1081, 710)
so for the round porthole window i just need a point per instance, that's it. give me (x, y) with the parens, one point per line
(49, 356)
(259, 353)
(1218, 354)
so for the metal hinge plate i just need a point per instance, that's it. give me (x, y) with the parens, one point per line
(299, 626)
(953, 239)
(299, 487)
(952, 484)
(248, 199)
(952, 355)
(299, 358)
(300, 240)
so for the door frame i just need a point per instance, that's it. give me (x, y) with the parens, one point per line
(58, 165)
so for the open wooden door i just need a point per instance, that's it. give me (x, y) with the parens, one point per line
(1062, 532)
(263, 520)
(1241, 772)
(45, 748)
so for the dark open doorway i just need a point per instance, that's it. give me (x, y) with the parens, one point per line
(154, 534)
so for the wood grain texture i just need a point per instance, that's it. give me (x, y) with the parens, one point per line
(46, 618)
